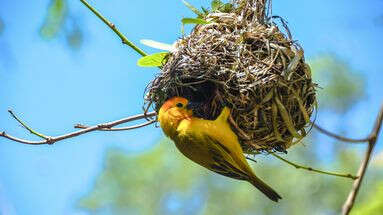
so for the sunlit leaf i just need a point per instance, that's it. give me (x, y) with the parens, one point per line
(153, 60)
(158, 45)
(196, 21)
(192, 8)
(193, 21)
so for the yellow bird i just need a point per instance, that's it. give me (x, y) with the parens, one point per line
(209, 143)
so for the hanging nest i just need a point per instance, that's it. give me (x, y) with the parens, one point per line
(241, 59)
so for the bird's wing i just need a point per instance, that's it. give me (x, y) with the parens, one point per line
(223, 161)
(204, 142)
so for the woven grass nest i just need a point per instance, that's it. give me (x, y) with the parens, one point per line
(241, 59)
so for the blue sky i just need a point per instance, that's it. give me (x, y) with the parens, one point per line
(52, 87)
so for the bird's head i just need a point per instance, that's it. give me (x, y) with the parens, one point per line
(172, 112)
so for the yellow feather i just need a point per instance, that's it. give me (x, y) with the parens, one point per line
(209, 143)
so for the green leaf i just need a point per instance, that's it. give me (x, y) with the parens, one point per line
(216, 5)
(227, 8)
(205, 11)
(194, 21)
(153, 60)
(192, 8)
(219, 6)
(186, 21)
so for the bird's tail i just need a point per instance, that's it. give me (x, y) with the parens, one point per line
(225, 113)
(265, 189)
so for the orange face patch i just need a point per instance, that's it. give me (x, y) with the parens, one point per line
(172, 102)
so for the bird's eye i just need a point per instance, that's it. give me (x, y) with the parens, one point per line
(180, 105)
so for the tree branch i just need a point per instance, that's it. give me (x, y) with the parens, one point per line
(314, 170)
(100, 127)
(373, 137)
(113, 27)
(338, 137)
(81, 126)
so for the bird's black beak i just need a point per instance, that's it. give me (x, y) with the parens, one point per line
(193, 105)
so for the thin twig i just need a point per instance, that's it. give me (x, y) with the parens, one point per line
(373, 137)
(51, 140)
(27, 127)
(119, 129)
(249, 158)
(113, 27)
(314, 170)
(147, 109)
(338, 137)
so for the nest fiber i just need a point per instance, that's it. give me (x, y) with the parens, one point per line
(241, 59)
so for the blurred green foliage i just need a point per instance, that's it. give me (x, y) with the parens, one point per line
(162, 181)
(74, 34)
(373, 203)
(55, 19)
(58, 20)
(378, 21)
(1, 26)
(341, 86)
